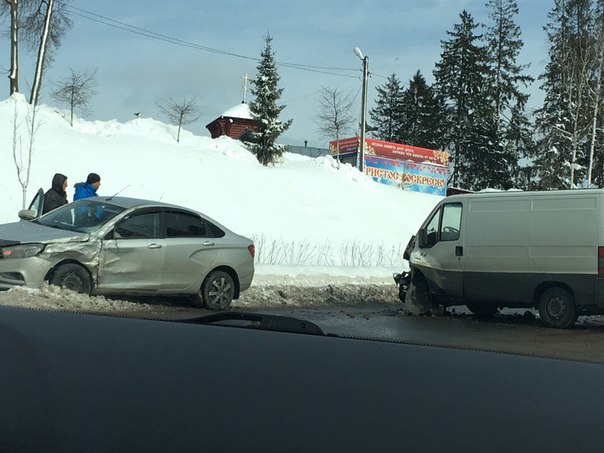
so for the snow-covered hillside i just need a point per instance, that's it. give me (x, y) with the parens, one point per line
(300, 212)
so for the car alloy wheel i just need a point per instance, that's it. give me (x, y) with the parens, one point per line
(218, 290)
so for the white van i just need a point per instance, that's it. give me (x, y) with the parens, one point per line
(511, 249)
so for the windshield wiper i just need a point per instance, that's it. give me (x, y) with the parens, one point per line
(258, 321)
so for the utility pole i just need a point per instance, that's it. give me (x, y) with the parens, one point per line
(365, 60)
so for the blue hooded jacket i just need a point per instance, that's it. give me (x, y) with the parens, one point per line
(84, 190)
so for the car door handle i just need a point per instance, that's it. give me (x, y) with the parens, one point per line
(154, 246)
(208, 243)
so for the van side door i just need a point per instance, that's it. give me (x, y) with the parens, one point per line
(440, 254)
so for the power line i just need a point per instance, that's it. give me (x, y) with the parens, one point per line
(94, 17)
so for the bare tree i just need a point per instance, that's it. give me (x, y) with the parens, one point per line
(596, 92)
(182, 113)
(40, 24)
(21, 157)
(334, 117)
(35, 89)
(75, 91)
(13, 75)
(45, 23)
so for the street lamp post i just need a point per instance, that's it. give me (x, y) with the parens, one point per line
(365, 61)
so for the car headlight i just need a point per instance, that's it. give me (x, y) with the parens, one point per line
(21, 251)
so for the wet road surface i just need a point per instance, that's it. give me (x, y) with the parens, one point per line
(510, 332)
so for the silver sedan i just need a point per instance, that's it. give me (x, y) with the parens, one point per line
(127, 246)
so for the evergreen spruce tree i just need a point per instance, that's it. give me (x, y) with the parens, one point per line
(520, 138)
(265, 110)
(423, 119)
(595, 163)
(462, 76)
(504, 44)
(386, 115)
(553, 162)
(564, 120)
(513, 129)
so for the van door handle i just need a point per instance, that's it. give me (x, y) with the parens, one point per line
(154, 246)
(459, 250)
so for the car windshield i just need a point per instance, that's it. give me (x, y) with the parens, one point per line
(84, 216)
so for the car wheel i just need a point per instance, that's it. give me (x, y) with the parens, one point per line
(483, 311)
(557, 308)
(72, 277)
(217, 290)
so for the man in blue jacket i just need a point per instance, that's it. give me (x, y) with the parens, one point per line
(88, 188)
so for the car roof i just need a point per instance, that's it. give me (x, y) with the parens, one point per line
(126, 202)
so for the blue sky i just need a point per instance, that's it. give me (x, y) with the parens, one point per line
(134, 72)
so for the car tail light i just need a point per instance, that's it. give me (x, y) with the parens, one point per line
(600, 261)
(252, 249)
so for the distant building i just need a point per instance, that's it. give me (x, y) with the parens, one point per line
(236, 122)
(309, 151)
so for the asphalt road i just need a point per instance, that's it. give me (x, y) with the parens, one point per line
(510, 332)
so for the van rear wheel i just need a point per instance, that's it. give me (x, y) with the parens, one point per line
(557, 308)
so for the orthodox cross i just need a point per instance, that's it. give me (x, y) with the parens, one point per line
(246, 79)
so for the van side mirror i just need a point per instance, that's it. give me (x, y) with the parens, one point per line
(425, 239)
(422, 238)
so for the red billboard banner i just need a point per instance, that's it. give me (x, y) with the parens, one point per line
(405, 152)
(391, 150)
(347, 145)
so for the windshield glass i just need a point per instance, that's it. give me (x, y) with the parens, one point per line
(84, 216)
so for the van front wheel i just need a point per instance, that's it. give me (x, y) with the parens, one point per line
(417, 299)
(557, 308)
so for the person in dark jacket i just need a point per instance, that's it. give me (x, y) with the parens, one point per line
(56, 195)
(88, 188)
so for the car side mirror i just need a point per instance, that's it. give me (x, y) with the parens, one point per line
(27, 214)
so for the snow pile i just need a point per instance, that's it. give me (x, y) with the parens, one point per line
(55, 298)
(301, 212)
(258, 296)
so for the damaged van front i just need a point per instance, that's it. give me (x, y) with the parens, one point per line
(435, 258)
(535, 250)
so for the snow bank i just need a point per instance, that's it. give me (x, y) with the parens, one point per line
(301, 202)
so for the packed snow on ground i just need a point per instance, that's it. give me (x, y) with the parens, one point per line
(314, 223)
